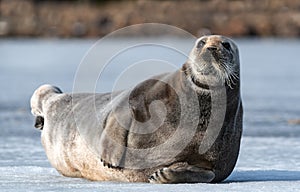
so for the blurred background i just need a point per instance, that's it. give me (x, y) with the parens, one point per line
(94, 18)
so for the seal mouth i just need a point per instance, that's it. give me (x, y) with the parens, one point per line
(224, 65)
(222, 57)
(198, 82)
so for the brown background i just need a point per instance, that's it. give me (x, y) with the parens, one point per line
(280, 18)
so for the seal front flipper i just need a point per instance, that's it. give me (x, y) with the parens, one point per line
(182, 173)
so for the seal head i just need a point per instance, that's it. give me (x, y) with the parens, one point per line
(213, 62)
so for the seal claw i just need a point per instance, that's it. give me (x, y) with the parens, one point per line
(182, 173)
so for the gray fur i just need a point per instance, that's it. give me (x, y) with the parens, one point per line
(165, 130)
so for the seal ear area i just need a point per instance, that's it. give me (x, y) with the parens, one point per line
(39, 122)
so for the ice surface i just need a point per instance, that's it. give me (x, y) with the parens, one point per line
(265, 164)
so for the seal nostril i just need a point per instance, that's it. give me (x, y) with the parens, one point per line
(212, 48)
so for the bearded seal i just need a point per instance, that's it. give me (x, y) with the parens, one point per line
(179, 127)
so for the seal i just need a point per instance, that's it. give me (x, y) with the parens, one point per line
(179, 127)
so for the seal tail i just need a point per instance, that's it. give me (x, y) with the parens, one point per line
(38, 100)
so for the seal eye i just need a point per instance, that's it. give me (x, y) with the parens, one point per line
(226, 45)
(200, 44)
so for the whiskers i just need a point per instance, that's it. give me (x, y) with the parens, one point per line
(227, 72)
(223, 71)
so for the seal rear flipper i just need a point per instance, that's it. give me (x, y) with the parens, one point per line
(39, 99)
(42, 96)
(182, 173)
(39, 122)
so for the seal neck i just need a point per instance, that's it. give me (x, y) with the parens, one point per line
(198, 83)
